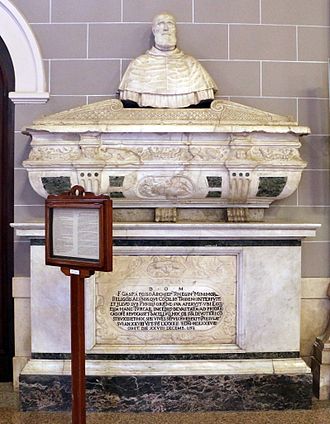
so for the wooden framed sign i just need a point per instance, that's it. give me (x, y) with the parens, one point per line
(79, 230)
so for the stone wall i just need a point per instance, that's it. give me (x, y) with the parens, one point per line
(270, 54)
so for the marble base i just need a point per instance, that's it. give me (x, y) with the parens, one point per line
(267, 308)
(270, 268)
(170, 393)
(170, 386)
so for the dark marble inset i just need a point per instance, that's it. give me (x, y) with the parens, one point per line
(220, 243)
(124, 394)
(37, 242)
(116, 181)
(214, 194)
(168, 242)
(116, 195)
(53, 355)
(45, 393)
(271, 186)
(214, 182)
(171, 393)
(56, 185)
(237, 392)
(169, 356)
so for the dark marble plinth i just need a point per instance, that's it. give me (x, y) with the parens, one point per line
(170, 356)
(170, 393)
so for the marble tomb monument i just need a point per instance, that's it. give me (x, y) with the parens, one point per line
(202, 309)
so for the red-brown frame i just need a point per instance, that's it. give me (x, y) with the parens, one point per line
(77, 198)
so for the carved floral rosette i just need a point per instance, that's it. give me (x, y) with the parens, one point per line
(229, 155)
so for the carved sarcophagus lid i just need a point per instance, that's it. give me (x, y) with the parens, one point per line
(224, 156)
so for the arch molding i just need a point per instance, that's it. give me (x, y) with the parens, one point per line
(30, 81)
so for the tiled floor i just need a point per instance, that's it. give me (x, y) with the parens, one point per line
(9, 414)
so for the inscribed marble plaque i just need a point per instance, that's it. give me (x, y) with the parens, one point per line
(167, 300)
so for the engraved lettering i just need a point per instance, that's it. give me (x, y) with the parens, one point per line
(168, 310)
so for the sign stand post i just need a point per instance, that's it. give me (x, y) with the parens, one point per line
(79, 240)
(77, 300)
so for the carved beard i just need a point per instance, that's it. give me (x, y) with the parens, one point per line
(165, 41)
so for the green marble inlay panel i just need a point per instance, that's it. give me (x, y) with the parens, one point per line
(214, 194)
(214, 181)
(271, 186)
(116, 181)
(116, 195)
(56, 185)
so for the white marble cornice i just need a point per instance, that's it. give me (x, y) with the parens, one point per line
(168, 367)
(110, 116)
(202, 231)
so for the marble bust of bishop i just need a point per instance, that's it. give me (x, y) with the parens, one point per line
(165, 77)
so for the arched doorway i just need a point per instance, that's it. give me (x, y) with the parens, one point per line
(22, 79)
(7, 84)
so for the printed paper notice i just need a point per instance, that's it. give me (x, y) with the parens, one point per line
(76, 233)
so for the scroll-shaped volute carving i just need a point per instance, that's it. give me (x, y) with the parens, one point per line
(237, 113)
(92, 113)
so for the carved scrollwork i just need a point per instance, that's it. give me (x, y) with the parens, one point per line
(110, 155)
(118, 156)
(154, 153)
(96, 113)
(210, 154)
(228, 320)
(89, 152)
(217, 105)
(52, 153)
(100, 312)
(269, 154)
(241, 154)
